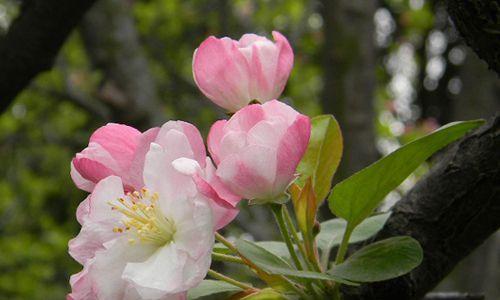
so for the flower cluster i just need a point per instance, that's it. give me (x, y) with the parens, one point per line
(156, 198)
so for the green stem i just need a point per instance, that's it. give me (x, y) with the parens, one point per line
(343, 245)
(277, 210)
(290, 225)
(229, 280)
(227, 258)
(226, 243)
(300, 245)
(340, 257)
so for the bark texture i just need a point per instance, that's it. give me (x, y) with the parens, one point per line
(33, 41)
(479, 23)
(349, 78)
(451, 211)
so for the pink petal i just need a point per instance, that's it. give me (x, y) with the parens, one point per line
(263, 69)
(221, 73)
(285, 62)
(290, 151)
(83, 210)
(250, 38)
(90, 170)
(250, 174)
(214, 137)
(79, 181)
(245, 118)
(81, 286)
(197, 145)
(135, 176)
(277, 108)
(119, 140)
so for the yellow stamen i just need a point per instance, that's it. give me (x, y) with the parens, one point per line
(144, 220)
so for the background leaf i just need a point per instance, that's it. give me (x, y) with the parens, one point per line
(322, 156)
(332, 231)
(356, 197)
(209, 287)
(265, 294)
(382, 260)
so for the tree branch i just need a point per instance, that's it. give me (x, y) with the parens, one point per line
(33, 41)
(451, 211)
(112, 43)
(479, 23)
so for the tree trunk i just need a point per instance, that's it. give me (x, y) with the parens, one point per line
(111, 40)
(349, 78)
(33, 41)
(479, 23)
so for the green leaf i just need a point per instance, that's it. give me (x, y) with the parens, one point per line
(275, 247)
(305, 206)
(276, 265)
(382, 260)
(322, 156)
(265, 294)
(332, 231)
(209, 287)
(261, 257)
(357, 196)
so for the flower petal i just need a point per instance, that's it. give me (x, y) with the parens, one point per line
(160, 274)
(118, 140)
(107, 270)
(135, 176)
(214, 138)
(251, 173)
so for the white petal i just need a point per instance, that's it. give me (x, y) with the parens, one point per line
(107, 269)
(107, 190)
(161, 177)
(186, 166)
(194, 231)
(159, 275)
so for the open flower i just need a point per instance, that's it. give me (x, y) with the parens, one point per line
(154, 243)
(233, 73)
(257, 150)
(120, 150)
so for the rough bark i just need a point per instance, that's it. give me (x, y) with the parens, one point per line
(33, 41)
(451, 211)
(112, 42)
(349, 78)
(453, 296)
(479, 23)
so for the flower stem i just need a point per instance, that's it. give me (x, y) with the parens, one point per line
(343, 245)
(340, 257)
(229, 280)
(291, 226)
(226, 243)
(277, 210)
(227, 258)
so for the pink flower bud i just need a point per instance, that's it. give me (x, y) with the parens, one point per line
(258, 149)
(233, 73)
(112, 150)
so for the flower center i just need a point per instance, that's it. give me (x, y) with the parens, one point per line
(143, 220)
